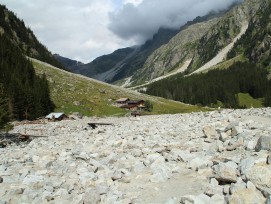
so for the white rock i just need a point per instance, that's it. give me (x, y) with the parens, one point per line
(198, 163)
(217, 199)
(139, 167)
(161, 171)
(210, 132)
(91, 196)
(251, 186)
(223, 136)
(171, 201)
(32, 179)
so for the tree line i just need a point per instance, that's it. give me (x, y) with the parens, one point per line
(24, 38)
(23, 94)
(209, 89)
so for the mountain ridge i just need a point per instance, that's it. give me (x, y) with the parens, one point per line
(23, 37)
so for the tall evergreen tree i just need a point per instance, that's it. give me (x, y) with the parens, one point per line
(4, 115)
(28, 95)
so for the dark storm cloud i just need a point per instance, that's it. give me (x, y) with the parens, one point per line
(142, 21)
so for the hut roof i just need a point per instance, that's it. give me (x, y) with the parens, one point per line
(55, 115)
(122, 100)
(136, 102)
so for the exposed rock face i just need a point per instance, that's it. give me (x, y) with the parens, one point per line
(150, 159)
(207, 43)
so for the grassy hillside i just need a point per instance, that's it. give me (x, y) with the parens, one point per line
(247, 101)
(76, 93)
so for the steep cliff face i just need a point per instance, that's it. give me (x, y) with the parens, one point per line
(224, 32)
(255, 44)
(203, 41)
(172, 56)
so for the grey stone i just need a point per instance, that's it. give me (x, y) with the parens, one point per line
(226, 189)
(91, 196)
(231, 125)
(102, 188)
(239, 143)
(198, 163)
(116, 175)
(261, 158)
(171, 201)
(239, 185)
(260, 176)
(213, 188)
(217, 199)
(1, 179)
(161, 172)
(251, 186)
(191, 199)
(210, 132)
(33, 179)
(269, 158)
(250, 145)
(246, 164)
(223, 136)
(139, 167)
(220, 147)
(246, 196)
(185, 156)
(226, 172)
(264, 143)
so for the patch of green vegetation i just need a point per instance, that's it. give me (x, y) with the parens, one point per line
(75, 93)
(245, 100)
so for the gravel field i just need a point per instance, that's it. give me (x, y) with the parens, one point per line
(206, 157)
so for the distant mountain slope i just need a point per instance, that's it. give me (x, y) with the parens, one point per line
(23, 37)
(124, 62)
(255, 44)
(172, 55)
(202, 42)
(107, 63)
(114, 68)
(69, 64)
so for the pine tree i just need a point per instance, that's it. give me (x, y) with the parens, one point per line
(4, 115)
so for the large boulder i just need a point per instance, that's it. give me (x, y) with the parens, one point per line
(246, 164)
(161, 172)
(247, 196)
(261, 177)
(210, 132)
(226, 172)
(264, 143)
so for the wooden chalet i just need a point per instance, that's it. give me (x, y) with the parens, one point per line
(134, 105)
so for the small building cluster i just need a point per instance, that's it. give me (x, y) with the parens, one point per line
(133, 105)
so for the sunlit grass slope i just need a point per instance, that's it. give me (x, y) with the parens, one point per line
(75, 93)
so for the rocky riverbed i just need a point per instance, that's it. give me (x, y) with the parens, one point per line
(212, 157)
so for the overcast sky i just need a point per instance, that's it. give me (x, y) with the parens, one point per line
(85, 29)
